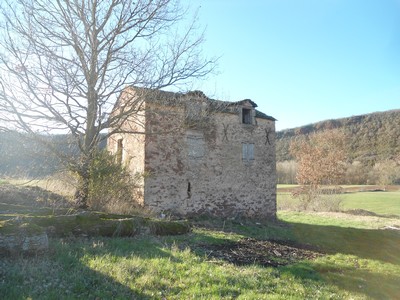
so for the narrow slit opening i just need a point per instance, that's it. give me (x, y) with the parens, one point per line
(189, 191)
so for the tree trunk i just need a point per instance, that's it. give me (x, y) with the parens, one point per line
(82, 191)
(89, 146)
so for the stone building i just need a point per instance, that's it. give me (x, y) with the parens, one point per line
(198, 155)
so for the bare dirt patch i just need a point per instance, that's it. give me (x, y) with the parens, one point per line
(249, 251)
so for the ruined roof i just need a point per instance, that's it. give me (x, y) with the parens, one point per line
(233, 107)
(174, 98)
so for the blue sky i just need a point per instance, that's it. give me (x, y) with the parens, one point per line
(304, 61)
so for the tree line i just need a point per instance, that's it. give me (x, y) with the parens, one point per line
(371, 144)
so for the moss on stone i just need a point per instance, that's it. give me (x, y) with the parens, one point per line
(92, 224)
(159, 227)
(15, 227)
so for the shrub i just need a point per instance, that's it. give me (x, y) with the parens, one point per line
(286, 201)
(286, 172)
(315, 198)
(329, 201)
(112, 188)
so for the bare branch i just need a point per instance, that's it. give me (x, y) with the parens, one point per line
(64, 64)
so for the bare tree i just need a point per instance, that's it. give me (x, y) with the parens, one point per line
(386, 172)
(63, 64)
(286, 172)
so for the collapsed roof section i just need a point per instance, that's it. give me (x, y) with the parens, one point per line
(176, 99)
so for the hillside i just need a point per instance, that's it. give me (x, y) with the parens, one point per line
(372, 137)
(23, 156)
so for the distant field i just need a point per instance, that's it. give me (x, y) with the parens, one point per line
(384, 203)
(380, 202)
(286, 186)
(347, 188)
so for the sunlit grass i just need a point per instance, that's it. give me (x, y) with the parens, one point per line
(338, 219)
(149, 269)
(286, 186)
(380, 202)
(385, 203)
(360, 261)
(61, 184)
(362, 277)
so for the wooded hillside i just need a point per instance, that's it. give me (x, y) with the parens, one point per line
(371, 138)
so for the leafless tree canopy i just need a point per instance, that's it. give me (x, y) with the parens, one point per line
(64, 63)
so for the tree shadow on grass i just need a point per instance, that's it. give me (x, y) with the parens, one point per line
(379, 246)
(344, 271)
(66, 272)
(382, 245)
(359, 279)
(70, 270)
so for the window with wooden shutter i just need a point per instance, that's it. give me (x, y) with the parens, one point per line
(247, 152)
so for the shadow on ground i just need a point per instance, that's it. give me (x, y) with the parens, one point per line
(65, 272)
(376, 244)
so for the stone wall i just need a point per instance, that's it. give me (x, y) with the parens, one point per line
(132, 150)
(198, 162)
(200, 169)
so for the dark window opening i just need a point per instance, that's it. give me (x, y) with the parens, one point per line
(246, 116)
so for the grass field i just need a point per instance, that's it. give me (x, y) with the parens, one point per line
(384, 203)
(360, 261)
(359, 264)
(380, 202)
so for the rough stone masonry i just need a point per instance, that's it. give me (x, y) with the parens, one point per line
(198, 155)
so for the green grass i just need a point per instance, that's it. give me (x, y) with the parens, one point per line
(361, 263)
(338, 220)
(384, 203)
(380, 202)
(286, 186)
